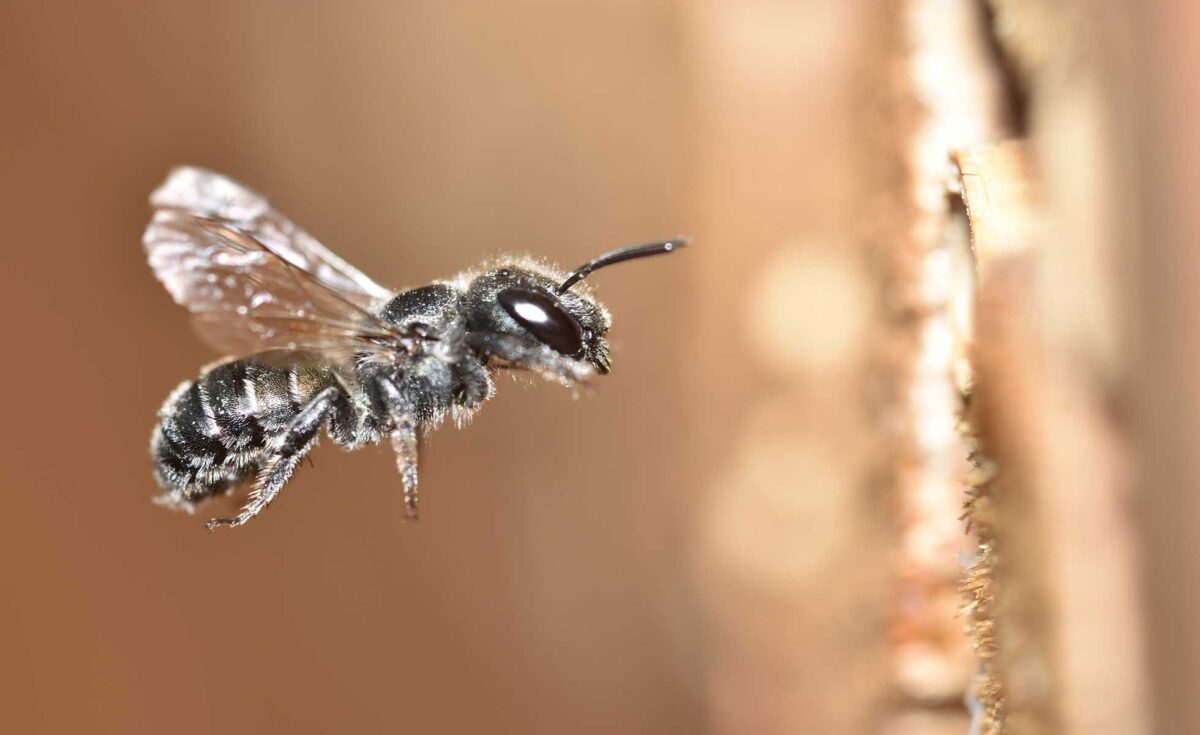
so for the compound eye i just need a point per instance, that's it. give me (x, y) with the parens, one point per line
(542, 316)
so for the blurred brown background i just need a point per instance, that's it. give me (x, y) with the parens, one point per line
(541, 593)
(752, 525)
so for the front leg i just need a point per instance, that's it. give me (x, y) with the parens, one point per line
(404, 440)
(530, 355)
(298, 439)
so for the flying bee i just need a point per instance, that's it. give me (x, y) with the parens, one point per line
(324, 347)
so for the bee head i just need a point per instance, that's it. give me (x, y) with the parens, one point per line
(536, 302)
(522, 299)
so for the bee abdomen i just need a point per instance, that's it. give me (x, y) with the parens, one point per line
(217, 430)
(228, 398)
(209, 435)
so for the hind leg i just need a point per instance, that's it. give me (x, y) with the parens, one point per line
(298, 439)
(185, 500)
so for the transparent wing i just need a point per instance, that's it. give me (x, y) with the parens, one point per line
(251, 279)
(213, 196)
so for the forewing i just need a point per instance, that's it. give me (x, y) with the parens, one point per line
(215, 197)
(234, 263)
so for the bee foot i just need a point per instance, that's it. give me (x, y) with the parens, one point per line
(215, 522)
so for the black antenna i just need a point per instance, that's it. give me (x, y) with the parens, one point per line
(619, 255)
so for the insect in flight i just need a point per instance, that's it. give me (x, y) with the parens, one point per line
(322, 346)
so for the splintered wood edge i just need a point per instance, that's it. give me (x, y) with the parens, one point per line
(1063, 534)
(1001, 197)
(1005, 591)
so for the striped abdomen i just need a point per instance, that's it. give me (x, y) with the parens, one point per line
(219, 429)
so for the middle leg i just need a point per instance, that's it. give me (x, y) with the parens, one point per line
(404, 440)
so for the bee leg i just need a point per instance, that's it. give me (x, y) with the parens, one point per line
(530, 355)
(404, 444)
(298, 439)
(404, 440)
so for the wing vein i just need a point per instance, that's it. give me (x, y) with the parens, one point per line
(254, 281)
